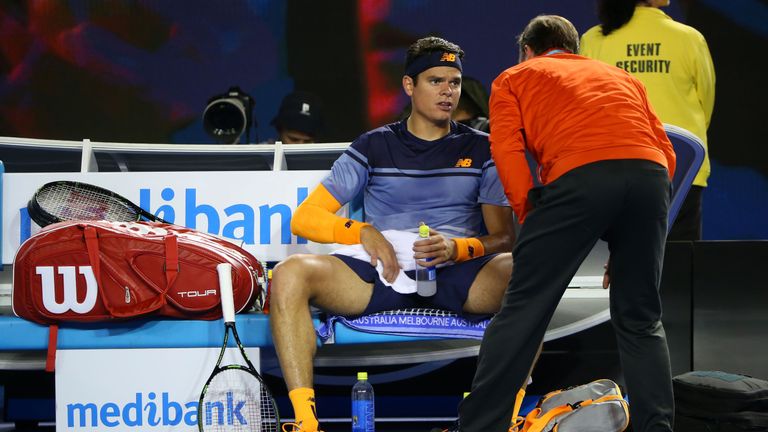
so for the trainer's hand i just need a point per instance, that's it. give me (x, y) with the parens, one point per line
(380, 249)
(438, 247)
(607, 275)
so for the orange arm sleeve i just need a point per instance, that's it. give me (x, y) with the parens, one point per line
(315, 219)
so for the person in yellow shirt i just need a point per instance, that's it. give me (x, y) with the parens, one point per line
(673, 61)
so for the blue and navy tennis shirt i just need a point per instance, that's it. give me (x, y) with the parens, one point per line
(407, 180)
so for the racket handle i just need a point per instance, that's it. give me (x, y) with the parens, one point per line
(225, 290)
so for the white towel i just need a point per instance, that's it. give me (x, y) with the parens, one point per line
(402, 242)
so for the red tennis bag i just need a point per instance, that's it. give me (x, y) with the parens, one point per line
(98, 270)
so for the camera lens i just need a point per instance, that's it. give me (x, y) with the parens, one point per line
(225, 120)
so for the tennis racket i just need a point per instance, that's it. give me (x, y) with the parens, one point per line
(68, 200)
(235, 397)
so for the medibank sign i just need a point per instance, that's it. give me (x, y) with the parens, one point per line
(252, 208)
(142, 390)
(146, 409)
(252, 224)
(152, 409)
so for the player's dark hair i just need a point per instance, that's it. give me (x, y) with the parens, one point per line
(428, 45)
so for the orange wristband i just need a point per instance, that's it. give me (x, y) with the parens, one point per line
(468, 248)
(347, 231)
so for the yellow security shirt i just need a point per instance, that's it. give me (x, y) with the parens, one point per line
(672, 60)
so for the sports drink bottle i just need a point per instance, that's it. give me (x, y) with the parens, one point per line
(362, 404)
(426, 277)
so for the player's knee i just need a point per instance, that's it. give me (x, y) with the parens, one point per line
(289, 280)
(505, 264)
(488, 290)
(502, 268)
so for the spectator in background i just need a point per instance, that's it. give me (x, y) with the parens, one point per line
(473, 105)
(673, 61)
(300, 119)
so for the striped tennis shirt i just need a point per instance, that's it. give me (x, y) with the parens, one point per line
(407, 180)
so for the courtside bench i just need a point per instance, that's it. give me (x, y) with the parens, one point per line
(18, 334)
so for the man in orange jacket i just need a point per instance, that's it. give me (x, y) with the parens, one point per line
(605, 164)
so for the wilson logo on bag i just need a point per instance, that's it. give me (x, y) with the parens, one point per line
(99, 270)
(70, 298)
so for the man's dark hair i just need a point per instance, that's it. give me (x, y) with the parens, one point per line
(430, 44)
(613, 14)
(546, 32)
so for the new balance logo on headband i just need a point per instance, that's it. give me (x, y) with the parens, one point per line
(432, 59)
(449, 57)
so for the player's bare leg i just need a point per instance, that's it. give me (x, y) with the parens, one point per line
(297, 282)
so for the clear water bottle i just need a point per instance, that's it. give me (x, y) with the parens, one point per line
(426, 277)
(362, 404)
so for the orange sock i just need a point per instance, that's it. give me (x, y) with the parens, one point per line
(303, 401)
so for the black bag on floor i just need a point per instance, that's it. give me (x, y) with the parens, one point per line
(720, 401)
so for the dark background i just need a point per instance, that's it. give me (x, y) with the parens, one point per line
(142, 71)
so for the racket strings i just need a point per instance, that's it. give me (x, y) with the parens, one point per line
(66, 202)
(235, 400)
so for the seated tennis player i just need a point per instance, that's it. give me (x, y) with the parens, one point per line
(425, 168)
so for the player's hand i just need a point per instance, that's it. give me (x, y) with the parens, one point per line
(438, 247)
(607, 275)
(380, 249)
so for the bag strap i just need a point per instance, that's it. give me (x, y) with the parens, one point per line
(50, 358)
(607, 398)
(144, 307)
(92, 245)
(517, 424)
(171, 260)
(538, 424)
(530, 419)
(517, 420)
